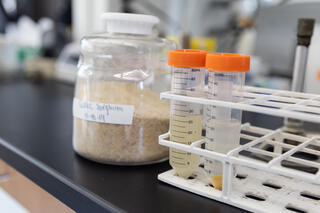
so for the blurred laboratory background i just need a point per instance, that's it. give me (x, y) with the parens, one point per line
(39, 56)
(40, 38)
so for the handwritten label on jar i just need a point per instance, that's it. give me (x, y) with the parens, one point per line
(103, 113)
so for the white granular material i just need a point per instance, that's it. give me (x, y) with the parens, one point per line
(122, 144)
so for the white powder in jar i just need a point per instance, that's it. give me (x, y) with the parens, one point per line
(122, 144)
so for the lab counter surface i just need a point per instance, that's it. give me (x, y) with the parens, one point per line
(36, 139)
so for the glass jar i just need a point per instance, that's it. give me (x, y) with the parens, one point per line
(118, 114)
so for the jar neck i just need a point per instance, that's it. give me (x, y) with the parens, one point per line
(132, 35)
(100, 49)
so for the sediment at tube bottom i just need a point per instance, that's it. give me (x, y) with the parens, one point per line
(217, 181)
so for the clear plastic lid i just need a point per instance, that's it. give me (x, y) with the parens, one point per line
(129, 23)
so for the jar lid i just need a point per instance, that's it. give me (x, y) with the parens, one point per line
(228, 62)
(129, 23)
(187, 58)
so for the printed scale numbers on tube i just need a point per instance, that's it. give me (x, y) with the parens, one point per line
(222, 129)
(186, 118)
(226, 78)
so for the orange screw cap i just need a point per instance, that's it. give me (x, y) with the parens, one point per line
(187, 58)
(228, 62)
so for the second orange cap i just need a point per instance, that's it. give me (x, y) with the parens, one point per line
(187, 58)
(228, 62)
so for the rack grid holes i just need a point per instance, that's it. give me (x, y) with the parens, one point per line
(210, 185)
(248, 97)
(261, 93)
(305, 111)
(295, 209)
(310, 195)
(294, 96)
(244, 141)
(306, 156)
(311, 105)
(251, 133)
(265, 106)
(260, 157)
(241, 176)
(192, 177)
(299, 167)
(271, 185)
(315, 146)
(282, 102)
(254, 197)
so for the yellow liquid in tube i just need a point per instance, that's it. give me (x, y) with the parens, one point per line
(184, 129)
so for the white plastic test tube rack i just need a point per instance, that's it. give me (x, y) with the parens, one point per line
(260, 186)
